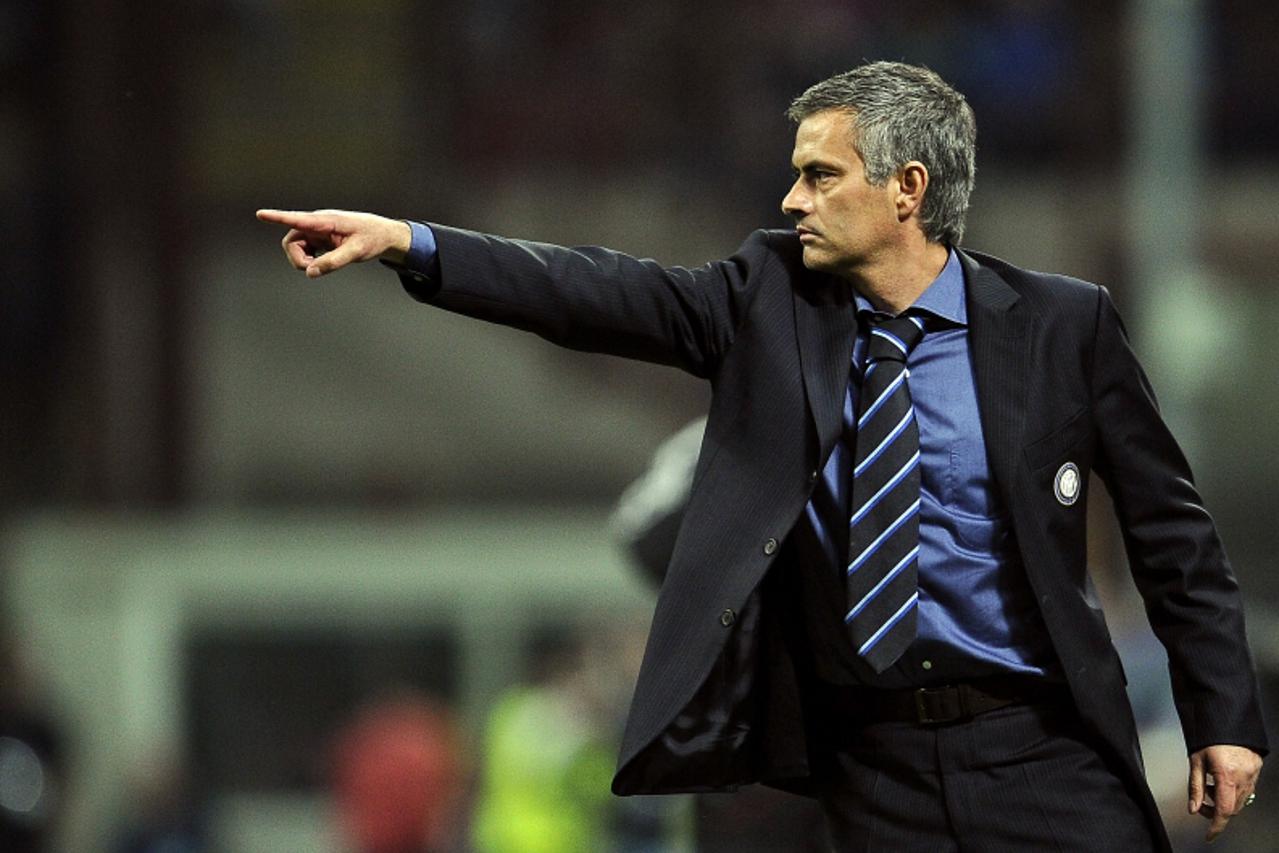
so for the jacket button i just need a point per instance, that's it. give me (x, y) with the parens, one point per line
(770, 547)
(812, 477)
(727, 617)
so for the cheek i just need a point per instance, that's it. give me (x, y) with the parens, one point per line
(848, 221)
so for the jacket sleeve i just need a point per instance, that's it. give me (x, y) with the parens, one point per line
(595, 299)
(1177, 560)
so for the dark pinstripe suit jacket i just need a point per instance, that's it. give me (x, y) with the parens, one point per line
(721, 696)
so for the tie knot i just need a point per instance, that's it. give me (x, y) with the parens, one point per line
(893, 337)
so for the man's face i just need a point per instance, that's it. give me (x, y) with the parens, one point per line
(845, 223)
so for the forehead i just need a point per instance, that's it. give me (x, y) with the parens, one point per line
(826, 135)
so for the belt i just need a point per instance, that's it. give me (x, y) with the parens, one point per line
(950, 703)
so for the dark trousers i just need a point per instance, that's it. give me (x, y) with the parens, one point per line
(1013, 780)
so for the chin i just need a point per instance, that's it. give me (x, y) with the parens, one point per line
(817, 260)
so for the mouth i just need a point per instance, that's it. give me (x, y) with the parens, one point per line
(806, 235)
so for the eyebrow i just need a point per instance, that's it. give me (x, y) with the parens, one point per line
(816, 165)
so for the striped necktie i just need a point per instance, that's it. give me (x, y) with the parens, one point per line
(882, 582)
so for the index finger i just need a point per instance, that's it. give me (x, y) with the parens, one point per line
(291, 218)
(1224, 800)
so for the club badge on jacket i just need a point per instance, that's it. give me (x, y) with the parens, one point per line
(1066, 484)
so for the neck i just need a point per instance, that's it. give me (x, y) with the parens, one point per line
(894, 282)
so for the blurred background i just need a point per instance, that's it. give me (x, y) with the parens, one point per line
(294, 566)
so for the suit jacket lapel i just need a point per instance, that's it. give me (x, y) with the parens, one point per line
(825, 325)
(999, 340)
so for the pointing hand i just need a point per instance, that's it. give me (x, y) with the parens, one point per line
(322, 241)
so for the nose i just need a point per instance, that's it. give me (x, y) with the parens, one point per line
(796, 203)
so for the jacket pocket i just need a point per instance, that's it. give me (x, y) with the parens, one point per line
(1056, 445)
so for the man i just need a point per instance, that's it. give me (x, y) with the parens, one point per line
(878, 593)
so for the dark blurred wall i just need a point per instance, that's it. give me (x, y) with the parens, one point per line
(33, 287)
(139, 137)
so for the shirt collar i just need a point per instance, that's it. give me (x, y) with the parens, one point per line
(943, 298)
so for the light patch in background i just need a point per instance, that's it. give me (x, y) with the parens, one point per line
(25, 790)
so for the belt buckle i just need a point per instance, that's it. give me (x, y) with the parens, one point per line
(934, 705)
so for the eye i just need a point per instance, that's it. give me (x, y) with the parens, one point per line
(814, 176)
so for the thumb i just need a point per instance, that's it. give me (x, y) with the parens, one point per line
(1196, 783)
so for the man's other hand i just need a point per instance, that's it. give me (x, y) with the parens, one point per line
(1222, 777)
(322, 241)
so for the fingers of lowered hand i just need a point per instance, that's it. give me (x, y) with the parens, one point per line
(1196, 782)
(1232, 772)
(1225, 804)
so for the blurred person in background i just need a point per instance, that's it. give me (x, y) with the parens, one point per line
(548, 753)
(890, 613)
(398, 778)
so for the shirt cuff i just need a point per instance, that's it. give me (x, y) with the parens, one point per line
(420, 270)
(421, 254)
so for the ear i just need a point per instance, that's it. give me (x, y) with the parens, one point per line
(912, 181)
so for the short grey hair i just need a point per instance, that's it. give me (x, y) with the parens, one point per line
(902, 113)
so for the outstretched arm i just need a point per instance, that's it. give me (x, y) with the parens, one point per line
(323, 241)
(586, 298)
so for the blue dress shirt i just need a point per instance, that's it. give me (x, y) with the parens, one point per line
(977, 615)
